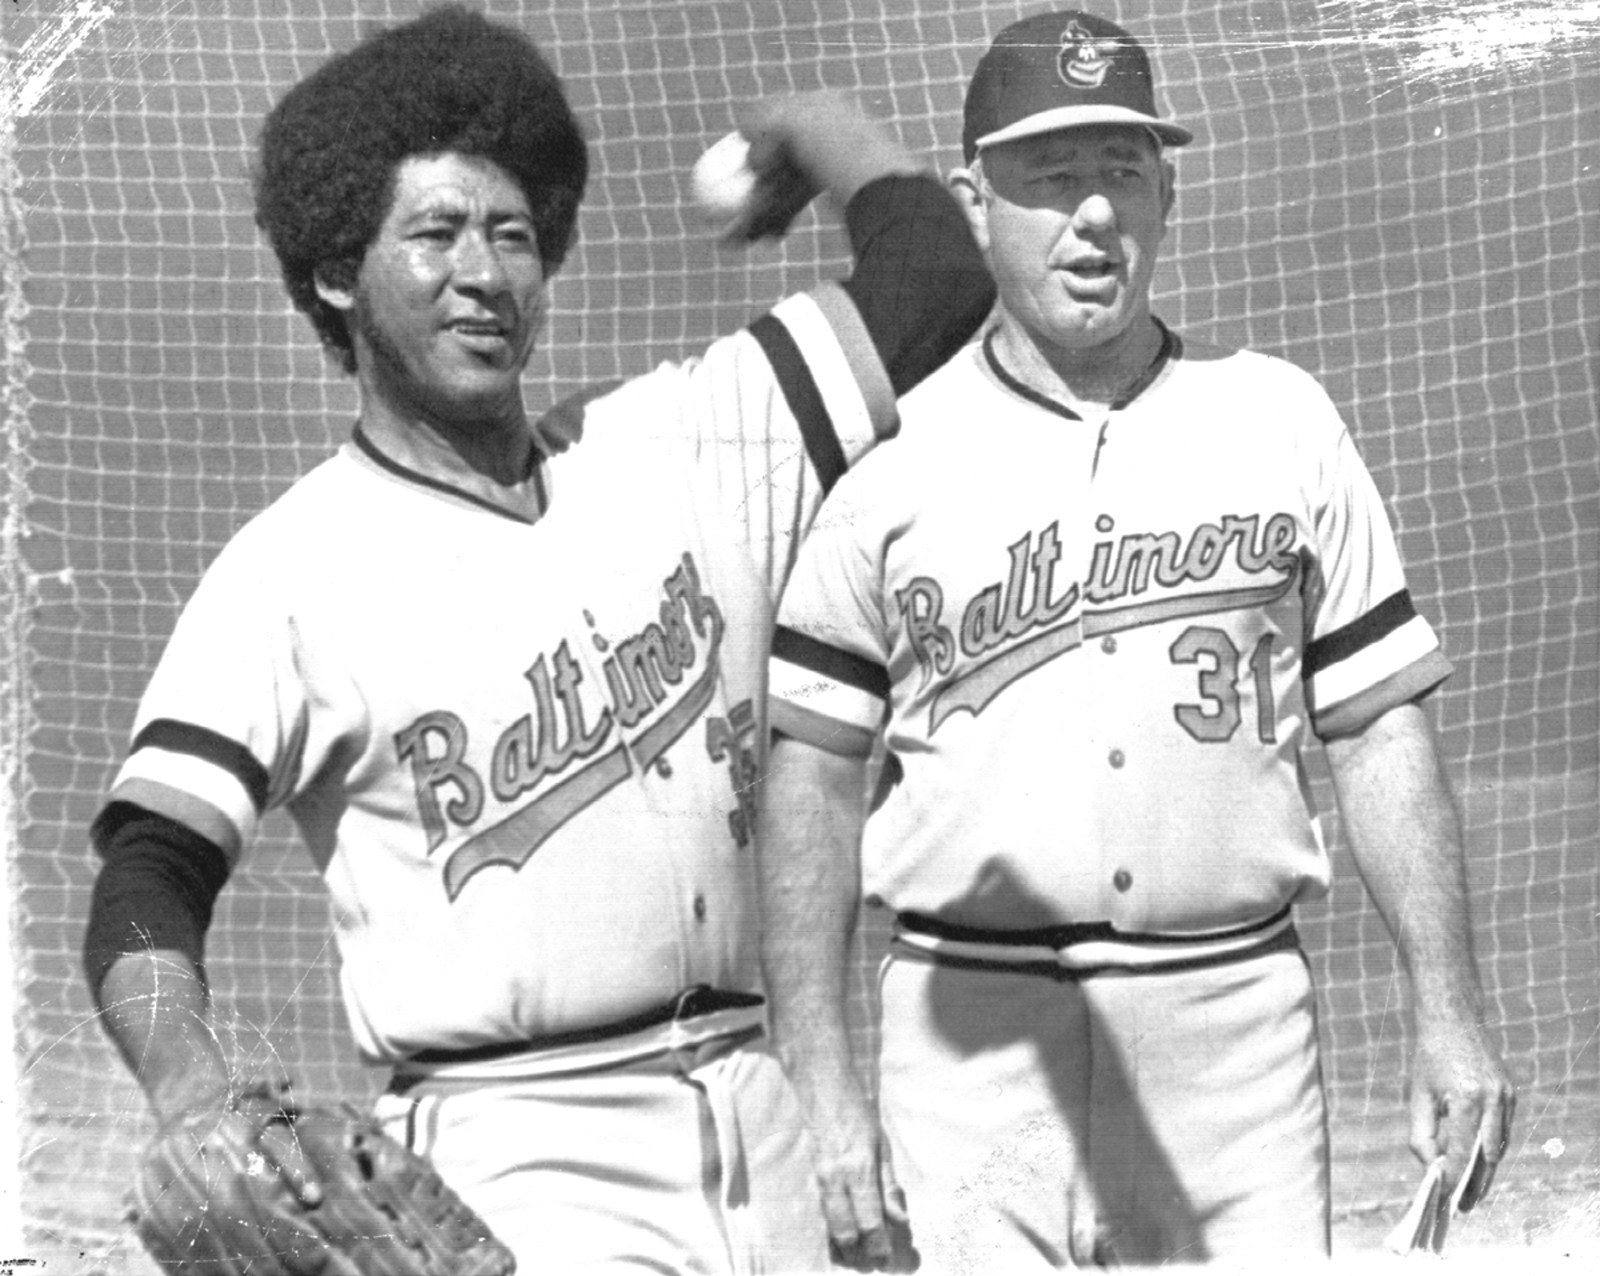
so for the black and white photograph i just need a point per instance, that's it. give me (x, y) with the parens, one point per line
(754, 638)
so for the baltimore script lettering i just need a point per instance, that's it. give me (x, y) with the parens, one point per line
(1028, 620)
(641, 673)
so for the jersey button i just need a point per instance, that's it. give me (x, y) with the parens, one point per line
(1108, 644)
(663, 768)
(1122, 879)
(1116, 758)
(699, 908)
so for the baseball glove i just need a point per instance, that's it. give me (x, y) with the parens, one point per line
(206, 1206)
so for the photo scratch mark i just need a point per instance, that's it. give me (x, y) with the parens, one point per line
(26, 82)
(1439, 39)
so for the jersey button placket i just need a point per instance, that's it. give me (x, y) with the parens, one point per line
(1116, 758)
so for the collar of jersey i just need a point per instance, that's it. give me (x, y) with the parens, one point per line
(1171, 348)
(389, 465)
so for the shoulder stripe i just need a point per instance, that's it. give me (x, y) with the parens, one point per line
(804, 399)
(1389, 615)
(207, 745)
(844, 667)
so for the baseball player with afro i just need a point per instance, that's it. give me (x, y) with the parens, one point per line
(1096, 647)
(505, 673)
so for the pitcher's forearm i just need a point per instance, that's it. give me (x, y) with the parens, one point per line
(156, 1010)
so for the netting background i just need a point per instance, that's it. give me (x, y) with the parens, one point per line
(1400, 197)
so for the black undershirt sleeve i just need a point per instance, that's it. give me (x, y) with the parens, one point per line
(920, 282)
(156, 888)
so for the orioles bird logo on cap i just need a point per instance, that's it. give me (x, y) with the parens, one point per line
(1083, 61)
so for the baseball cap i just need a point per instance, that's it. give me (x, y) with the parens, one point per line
(1061, 70)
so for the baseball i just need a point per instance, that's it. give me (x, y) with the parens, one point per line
(723, 182)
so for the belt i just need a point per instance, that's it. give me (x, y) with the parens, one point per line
(691, 1003)
(1078, 950)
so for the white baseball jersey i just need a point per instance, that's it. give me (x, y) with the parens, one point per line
(520, 751)
(1096, 646)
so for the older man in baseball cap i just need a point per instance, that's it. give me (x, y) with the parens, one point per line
(1095, 647)
(1061, 70)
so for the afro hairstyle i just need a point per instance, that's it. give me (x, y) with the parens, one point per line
(449, 81)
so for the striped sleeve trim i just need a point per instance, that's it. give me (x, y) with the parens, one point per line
(186, 790)
(1363, 632)
(861, 371)
(1355, 713)
(845, 667)
(209, 746)
(797, 722)
(1356, 674)
(830, 375)
(827, 697)
(197, 777)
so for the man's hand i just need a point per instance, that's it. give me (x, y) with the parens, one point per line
(813, 806)
(805, 144)
(1405, 835)
(868, 1228)
(1460, 1094)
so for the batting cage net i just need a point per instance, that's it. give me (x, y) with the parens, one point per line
(1397, 195)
